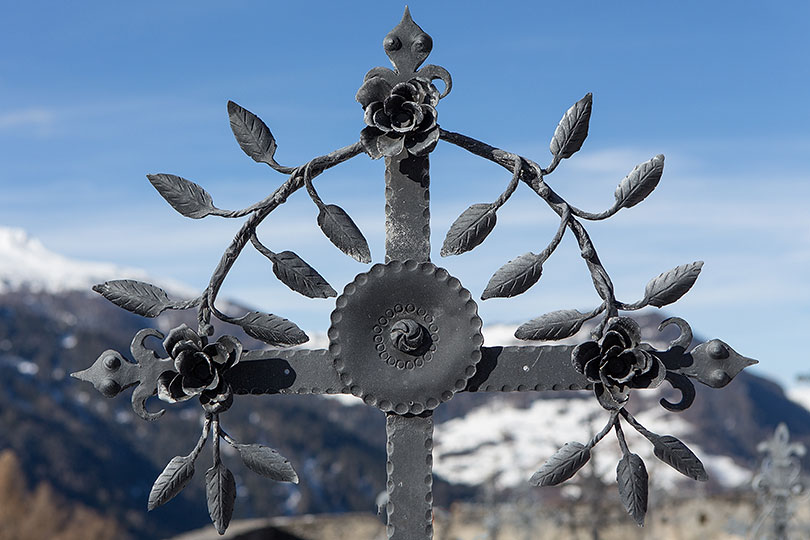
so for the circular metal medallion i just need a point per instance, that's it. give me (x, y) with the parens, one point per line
(405, 336)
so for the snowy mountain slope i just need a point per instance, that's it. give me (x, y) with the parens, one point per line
(799, 395)
(26, 264)
(505, 444)
(478, 439)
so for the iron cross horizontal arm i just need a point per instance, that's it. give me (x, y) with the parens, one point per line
(405, 336)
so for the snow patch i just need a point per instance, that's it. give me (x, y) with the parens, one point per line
(25, 263)
(799, 395)
(504, 445)
(27, 368)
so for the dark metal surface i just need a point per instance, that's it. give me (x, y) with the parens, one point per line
(372, 316)
(409, 470)
(281, 371)
(405, 335)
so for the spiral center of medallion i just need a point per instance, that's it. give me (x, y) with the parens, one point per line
(408, 336)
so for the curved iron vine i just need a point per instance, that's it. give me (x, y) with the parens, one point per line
(425, 344)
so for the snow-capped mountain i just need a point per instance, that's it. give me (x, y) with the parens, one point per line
(50, 326)
(26, 264)
(503, 444)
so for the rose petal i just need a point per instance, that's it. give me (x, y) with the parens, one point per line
(430, 116)
(408, 90)
(613, 339)
(432, 97)
(164, 380)
(186, 362)
(181, 359)
(370, 111)
(592, 370)
(619, 368)
(642, 360)
(605, 398)
(403, 122)
(183, 347)
(619, 392)
(381, 120)
(194, 386)
(170, 388)
(393, 104)
(421, 90)
(374, 89)
(421, 144)
(368, 138)
(390, 146)
(181, 333)
(190, 392)
(612, 352)
(212, 393)
(628, 327)
(415, 111)
(658, 372)
(196, 371)
(176, 389)
(653, 377)
(582, 353)
(231, 350)
(218, 399)
(216, 352)
(215, 381)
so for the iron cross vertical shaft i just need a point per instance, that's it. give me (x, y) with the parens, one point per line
(409, 439)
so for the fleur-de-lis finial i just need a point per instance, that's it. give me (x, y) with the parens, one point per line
(407, 45)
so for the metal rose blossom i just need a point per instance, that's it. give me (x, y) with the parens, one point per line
(199, 368)
(618, 363)
(399, 117)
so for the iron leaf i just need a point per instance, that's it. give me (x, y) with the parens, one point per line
(552, 326)
(515, 277)
(271, 329)
(562, 465)
(469, 229)
(253, 135)
(678, 456)
(184, 195)
(668, 287)
(631, 476)
(135, 296)
(640, 182)
(572, 129)
(220, 491)
(341, 231)
(267, 462)
(299, 276)
(171, 481)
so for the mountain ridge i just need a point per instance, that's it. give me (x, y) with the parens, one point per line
(97, 451)
(25, 263)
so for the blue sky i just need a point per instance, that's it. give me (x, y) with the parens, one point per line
(95, 95)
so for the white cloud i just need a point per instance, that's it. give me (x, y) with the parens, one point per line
(37, 120)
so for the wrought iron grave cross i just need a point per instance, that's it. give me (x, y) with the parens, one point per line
(778, 481)
(405, 336)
